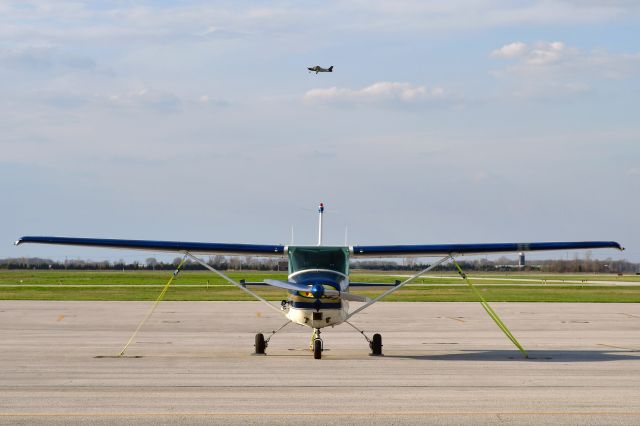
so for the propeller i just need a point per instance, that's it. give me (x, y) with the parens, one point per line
(288, 285)
(317, 290)
(346, 296)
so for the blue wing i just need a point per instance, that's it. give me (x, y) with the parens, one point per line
(169, 246)
(358, 251)
(469, 249)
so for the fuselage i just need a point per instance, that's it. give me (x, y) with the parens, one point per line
(318, 266)
(318, 69)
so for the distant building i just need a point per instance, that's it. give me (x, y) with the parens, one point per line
(520, 265)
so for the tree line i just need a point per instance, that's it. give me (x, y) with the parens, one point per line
(238, 263)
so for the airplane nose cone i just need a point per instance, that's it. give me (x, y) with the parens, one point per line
(317, 290)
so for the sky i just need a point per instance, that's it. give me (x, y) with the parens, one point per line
(443, 122)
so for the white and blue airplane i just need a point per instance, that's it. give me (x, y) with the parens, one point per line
(318, 281)
(318, 69)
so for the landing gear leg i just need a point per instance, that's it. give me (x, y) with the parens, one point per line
(316, 344)
(375, 344)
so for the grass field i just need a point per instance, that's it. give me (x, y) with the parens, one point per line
(196, 285)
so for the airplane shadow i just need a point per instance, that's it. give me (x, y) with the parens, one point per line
(534, 356)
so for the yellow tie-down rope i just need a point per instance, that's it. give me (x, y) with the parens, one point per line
(490, 311)
(155, 305)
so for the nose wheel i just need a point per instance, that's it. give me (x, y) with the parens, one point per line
(316, 344)
(317, 349)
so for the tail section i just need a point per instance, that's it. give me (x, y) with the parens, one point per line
(331, 68)
(320, 212)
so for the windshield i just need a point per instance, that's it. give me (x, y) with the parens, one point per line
(334, 258)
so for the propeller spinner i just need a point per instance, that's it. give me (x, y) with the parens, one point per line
(317, 290)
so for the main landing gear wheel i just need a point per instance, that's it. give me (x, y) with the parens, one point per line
(317, 349)
(376, 345)
(260, 344)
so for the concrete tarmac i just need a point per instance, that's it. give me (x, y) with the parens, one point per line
(443, 363)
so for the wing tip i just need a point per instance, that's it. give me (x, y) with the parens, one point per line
(25, 239)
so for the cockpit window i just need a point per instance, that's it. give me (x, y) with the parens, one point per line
(334, 258)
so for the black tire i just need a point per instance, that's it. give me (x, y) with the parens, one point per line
(376, 345)
(260, 344)
(317, 349)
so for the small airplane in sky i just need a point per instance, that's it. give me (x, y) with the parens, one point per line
(318, 69)
(318, 277)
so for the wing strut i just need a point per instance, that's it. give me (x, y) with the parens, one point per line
(483, 302)
(391, 290)
(232, 281)
(490, 310)
(175, 274)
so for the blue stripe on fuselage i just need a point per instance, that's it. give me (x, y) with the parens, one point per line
(314, 305)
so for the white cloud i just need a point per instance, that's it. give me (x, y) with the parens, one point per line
(537, 54)
(558, 58)
(554, 68)
(510, 50)
(546, 53)
(377, 93)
